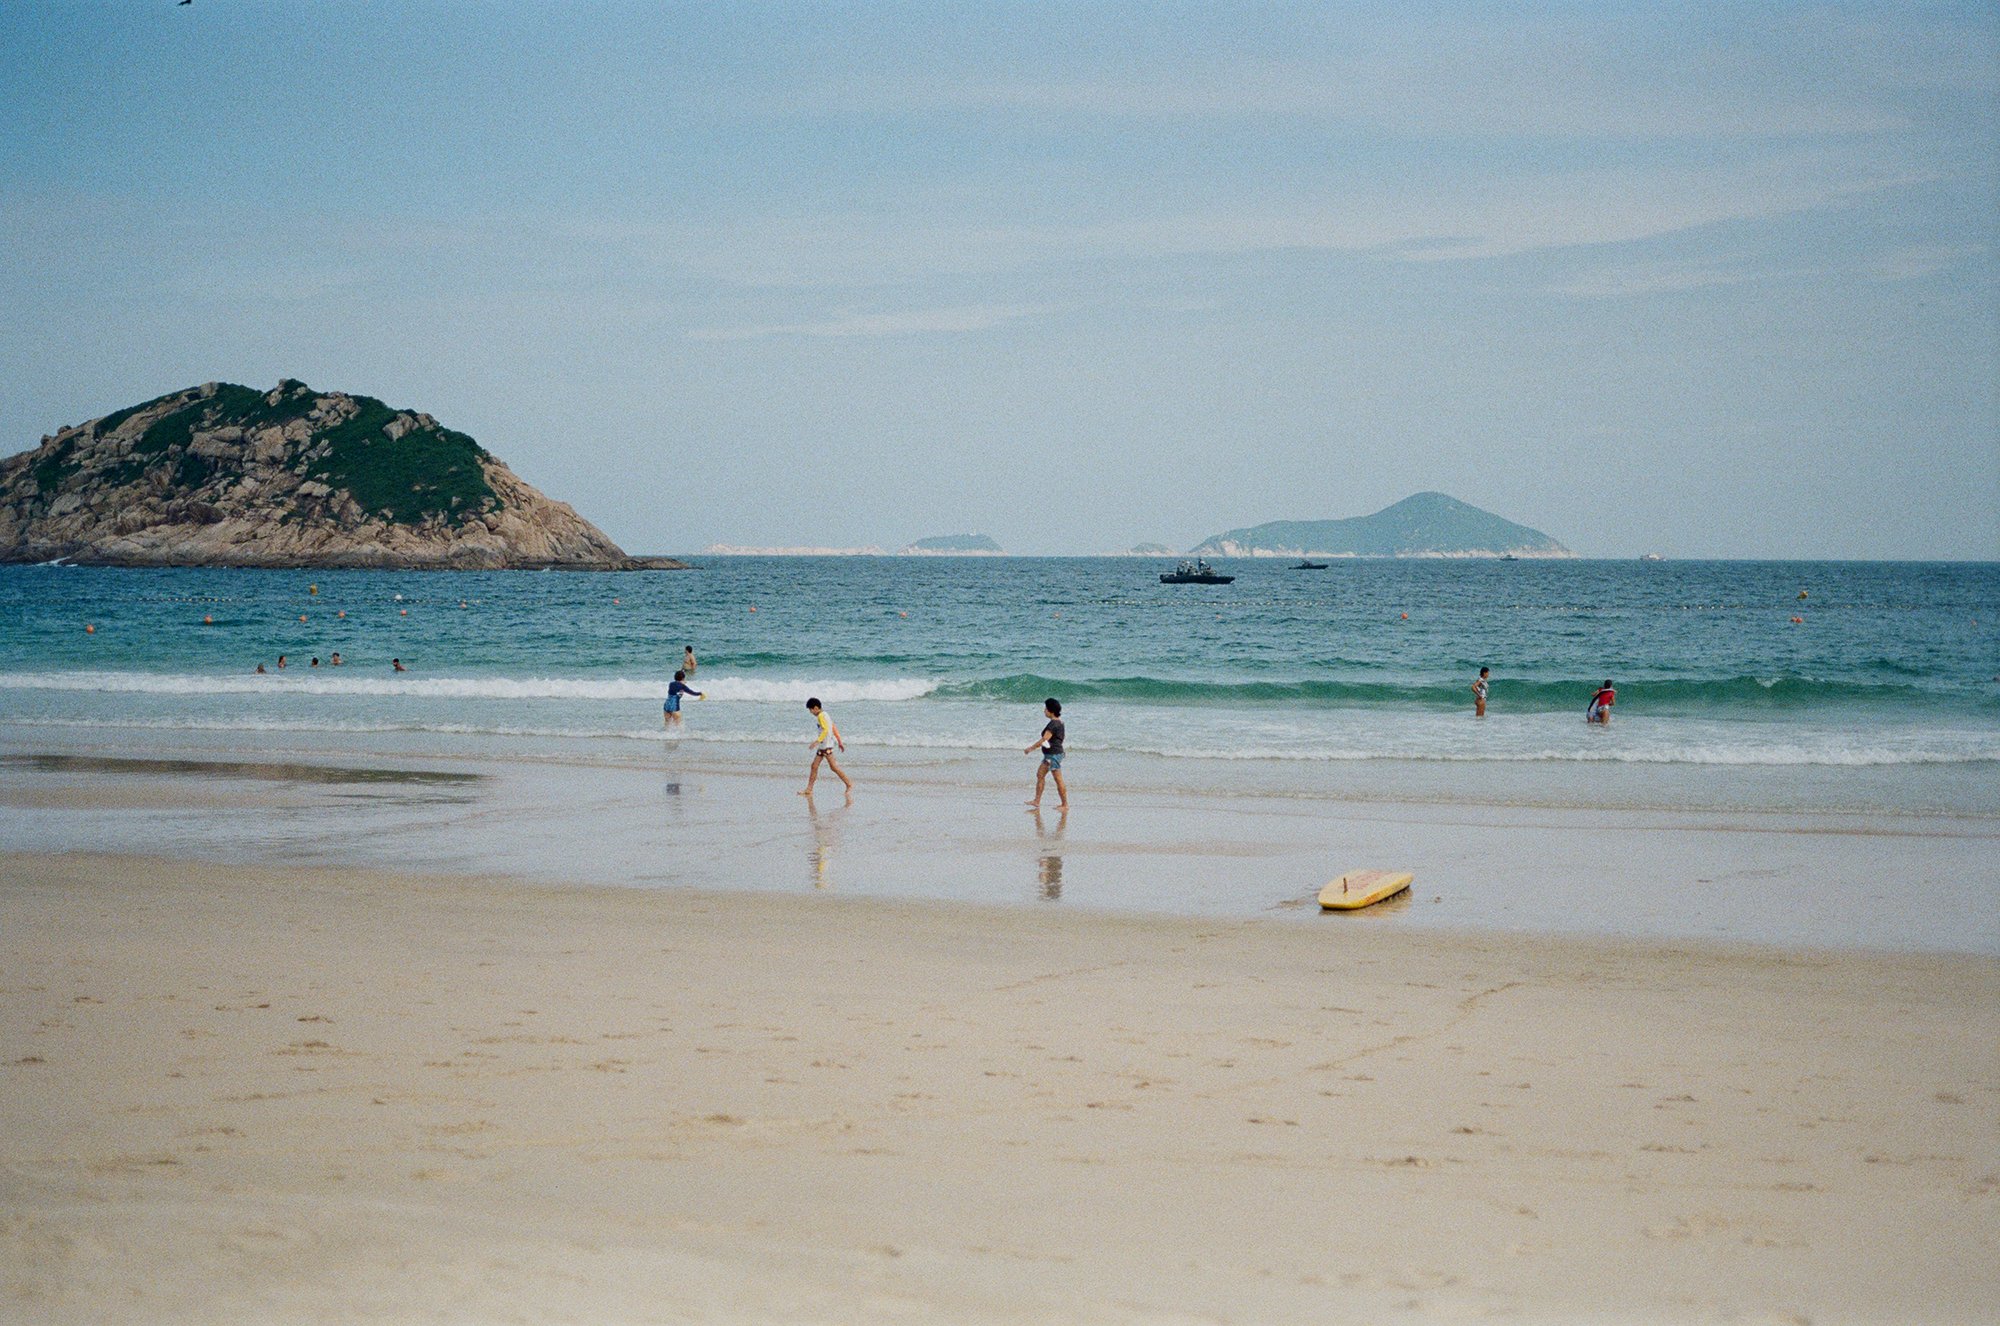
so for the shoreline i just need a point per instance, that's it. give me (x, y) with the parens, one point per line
(710, 818)
(270, 1094)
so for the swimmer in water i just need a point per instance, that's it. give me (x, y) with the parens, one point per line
(1479, 694)
(1600, 705)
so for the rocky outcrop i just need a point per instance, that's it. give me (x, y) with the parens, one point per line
(222, 475)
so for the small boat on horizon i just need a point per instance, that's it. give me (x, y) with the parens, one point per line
(1195, 573)
(1310, 565)
(1651, 557)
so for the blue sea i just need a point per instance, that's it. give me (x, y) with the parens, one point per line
(1824, 781)
(1893, 669)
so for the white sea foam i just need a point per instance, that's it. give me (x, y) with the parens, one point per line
(1664, 752)
(324, 681)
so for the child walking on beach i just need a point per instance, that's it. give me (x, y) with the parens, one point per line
(1050, 744)
(823, 743)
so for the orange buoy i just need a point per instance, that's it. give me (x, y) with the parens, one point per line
(753, 607)
(1798, 621)
(208, 621)
(614, 603)
(89, 629)
(1406, 616)
(905, 614)
(406, 612)
(302, 616)
(341, 613)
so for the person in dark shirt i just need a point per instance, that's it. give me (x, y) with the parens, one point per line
(674, 694)
(1050, 744)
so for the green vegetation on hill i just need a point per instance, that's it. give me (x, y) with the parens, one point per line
(428, 471)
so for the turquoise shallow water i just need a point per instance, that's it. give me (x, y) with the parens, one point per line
(1884, 697)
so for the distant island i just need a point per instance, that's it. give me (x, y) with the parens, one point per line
(1423, 525)
(226, 475)
(790, 550)
(1150, 550)
(954, 545)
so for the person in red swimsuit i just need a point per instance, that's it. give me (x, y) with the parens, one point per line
(1600, 704)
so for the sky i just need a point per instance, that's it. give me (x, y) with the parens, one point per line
(1710, 281)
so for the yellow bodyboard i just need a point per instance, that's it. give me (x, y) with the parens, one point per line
(1361, 888)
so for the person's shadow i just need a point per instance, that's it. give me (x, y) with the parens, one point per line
(1049, 866)
(825, 834)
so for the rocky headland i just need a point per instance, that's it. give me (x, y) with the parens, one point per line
(224, 475)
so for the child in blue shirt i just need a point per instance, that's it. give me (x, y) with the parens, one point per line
(674, 694)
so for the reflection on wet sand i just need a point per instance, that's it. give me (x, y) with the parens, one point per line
(825, 833)
(268, 770)
(1049, 867)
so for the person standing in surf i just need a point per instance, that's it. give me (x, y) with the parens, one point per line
(687, 660)
(675, 690)
(823, 743)
(1050, 744)
(1600, 705)
(1479, 694)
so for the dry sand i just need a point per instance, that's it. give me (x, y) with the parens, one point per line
(245, 1094)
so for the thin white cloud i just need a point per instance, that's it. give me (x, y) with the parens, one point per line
(910, 322)
(1919, 260)
(1653, 278)
(1541, 92)
(1435, 220)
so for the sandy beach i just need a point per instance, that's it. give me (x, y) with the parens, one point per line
(246, 1093)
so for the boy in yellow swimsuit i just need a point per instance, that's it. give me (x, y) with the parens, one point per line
(823, 743)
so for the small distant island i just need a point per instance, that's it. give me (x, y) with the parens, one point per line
(1422, 525)
(954, 545)
(226, 475)
(1150, 550)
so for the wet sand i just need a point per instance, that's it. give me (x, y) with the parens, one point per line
(957, 831)
(253, 1094)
